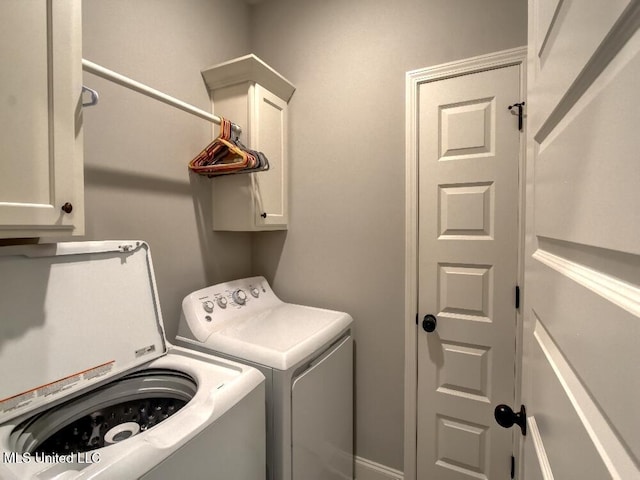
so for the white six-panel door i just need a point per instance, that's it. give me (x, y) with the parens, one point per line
(581, 366)
(468, 163)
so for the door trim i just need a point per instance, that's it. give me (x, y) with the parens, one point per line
(505, 58)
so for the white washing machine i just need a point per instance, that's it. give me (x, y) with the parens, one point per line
(306, 355)
(90, 388)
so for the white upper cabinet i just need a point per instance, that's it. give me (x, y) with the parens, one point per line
(41, 177)
(253, 95)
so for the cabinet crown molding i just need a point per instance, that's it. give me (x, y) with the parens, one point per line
(248, 69)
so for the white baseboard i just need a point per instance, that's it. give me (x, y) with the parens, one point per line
(368, 470)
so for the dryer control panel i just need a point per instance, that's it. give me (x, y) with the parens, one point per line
(213, 307)
(256, 325)
(233, 295)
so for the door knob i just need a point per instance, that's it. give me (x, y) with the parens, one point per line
(429, 323)
(506, 417)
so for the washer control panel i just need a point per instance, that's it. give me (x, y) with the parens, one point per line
(217, 304)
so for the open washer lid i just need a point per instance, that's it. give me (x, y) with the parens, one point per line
(72, 315)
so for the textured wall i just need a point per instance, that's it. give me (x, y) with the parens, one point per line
(137, 149)
(345, 245)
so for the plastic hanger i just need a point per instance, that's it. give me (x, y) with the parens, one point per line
(225, 156)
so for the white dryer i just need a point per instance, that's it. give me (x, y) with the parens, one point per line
(90, 387)
(306, 355)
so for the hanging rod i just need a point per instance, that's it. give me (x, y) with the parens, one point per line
(115, 77)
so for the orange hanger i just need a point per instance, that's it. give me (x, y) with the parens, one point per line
(225, 155)
(221, 155)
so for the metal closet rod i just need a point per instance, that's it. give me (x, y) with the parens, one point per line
(115, 77)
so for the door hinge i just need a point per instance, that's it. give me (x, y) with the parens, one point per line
(517, 297)
(519, 114)
(416, 319)
(513, 467)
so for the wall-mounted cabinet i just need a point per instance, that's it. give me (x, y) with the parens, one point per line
(251, 94)
(41, 171)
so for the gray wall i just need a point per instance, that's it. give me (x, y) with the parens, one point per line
(344, 247)
(137, 149)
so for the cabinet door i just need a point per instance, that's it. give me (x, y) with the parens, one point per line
(40, 118)
(269, 135)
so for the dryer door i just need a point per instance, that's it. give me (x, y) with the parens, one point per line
(322, 416)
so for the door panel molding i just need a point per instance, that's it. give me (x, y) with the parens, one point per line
(624, 28)
(620, 293)
(414, 79)
(536, 447)
(596, 440)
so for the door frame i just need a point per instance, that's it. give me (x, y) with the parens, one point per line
(414, 78)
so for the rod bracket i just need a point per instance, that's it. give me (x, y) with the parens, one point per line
(93, 94)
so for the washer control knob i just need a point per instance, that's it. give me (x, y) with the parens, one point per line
(255, 292)
(208, 306)
(222, 302)
(239, 297)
